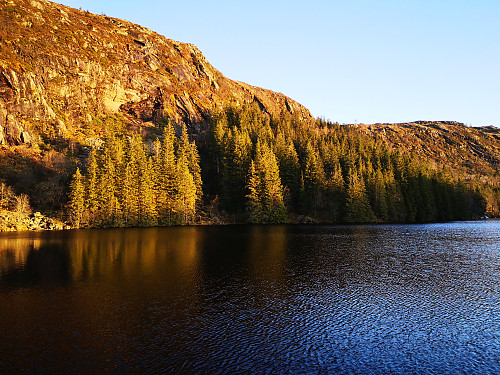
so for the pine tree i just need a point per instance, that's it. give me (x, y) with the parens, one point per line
(426, 209)
(395, 202)
(106, 194)
(273, 190)
(336, 193)
(379, 197)
(265, 197)
(186, 192)
(148, 214)
(130, 204)
(314, 180)
(289, 167)
(235, 167)
(120, 189)
(188, 150)
(167, 177)
(77, 210)
(357, 205)
(91, 188)
(135, 159)
(254, 202)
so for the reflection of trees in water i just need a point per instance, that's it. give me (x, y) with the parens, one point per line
(133, 252)
(7, 260)
(15, 247)
(50, 264)
(267, 251)
(96, 254)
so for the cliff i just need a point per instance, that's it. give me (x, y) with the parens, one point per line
(60, 68)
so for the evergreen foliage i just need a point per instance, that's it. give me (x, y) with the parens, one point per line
(77, 200)
(127, 184)
(266, 169)
(265, 193)
(330, 172)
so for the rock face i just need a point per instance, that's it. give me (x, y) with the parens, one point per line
(60, 67)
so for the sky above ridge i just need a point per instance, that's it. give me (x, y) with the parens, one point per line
(351, 61)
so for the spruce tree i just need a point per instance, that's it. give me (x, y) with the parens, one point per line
(254, 201)
(289, 167)
(91, 188)
(314, 180)
(186, 192)
(379, 197)
(189, 151)
(357, 205)
(107, 199)
(265, 192)
(168, 179)
(272, 188)
(235, 168)
(335, 193)
(148, 214)
(77, 209)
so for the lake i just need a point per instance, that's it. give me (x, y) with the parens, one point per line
(402, 299)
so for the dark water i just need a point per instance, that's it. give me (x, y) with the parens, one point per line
(398, 299)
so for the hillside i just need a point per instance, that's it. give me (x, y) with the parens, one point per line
(468, 151)
(60, 68)
(67, 75)
(106, 123)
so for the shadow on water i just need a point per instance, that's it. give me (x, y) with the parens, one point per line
(47, 265)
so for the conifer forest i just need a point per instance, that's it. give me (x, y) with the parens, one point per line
(105, 123)
(253, 167)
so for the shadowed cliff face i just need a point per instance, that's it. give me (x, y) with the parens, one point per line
(60, 67)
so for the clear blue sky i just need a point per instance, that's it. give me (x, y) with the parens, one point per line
(346, 60)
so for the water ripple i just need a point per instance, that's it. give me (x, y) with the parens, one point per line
(402, 299)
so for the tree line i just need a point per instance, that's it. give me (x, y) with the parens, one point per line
(263, 169)
(274, 166)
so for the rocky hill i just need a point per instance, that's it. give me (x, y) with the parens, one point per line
(470, 152)
(60, 68)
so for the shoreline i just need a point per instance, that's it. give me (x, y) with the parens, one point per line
(11, 222)
(23, 222)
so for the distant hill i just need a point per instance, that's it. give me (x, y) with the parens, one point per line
(471, 152)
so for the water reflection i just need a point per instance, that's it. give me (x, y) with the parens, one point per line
(90, 255)
(48, 264)
(133, 252)
(14, 250)
(366, 299)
